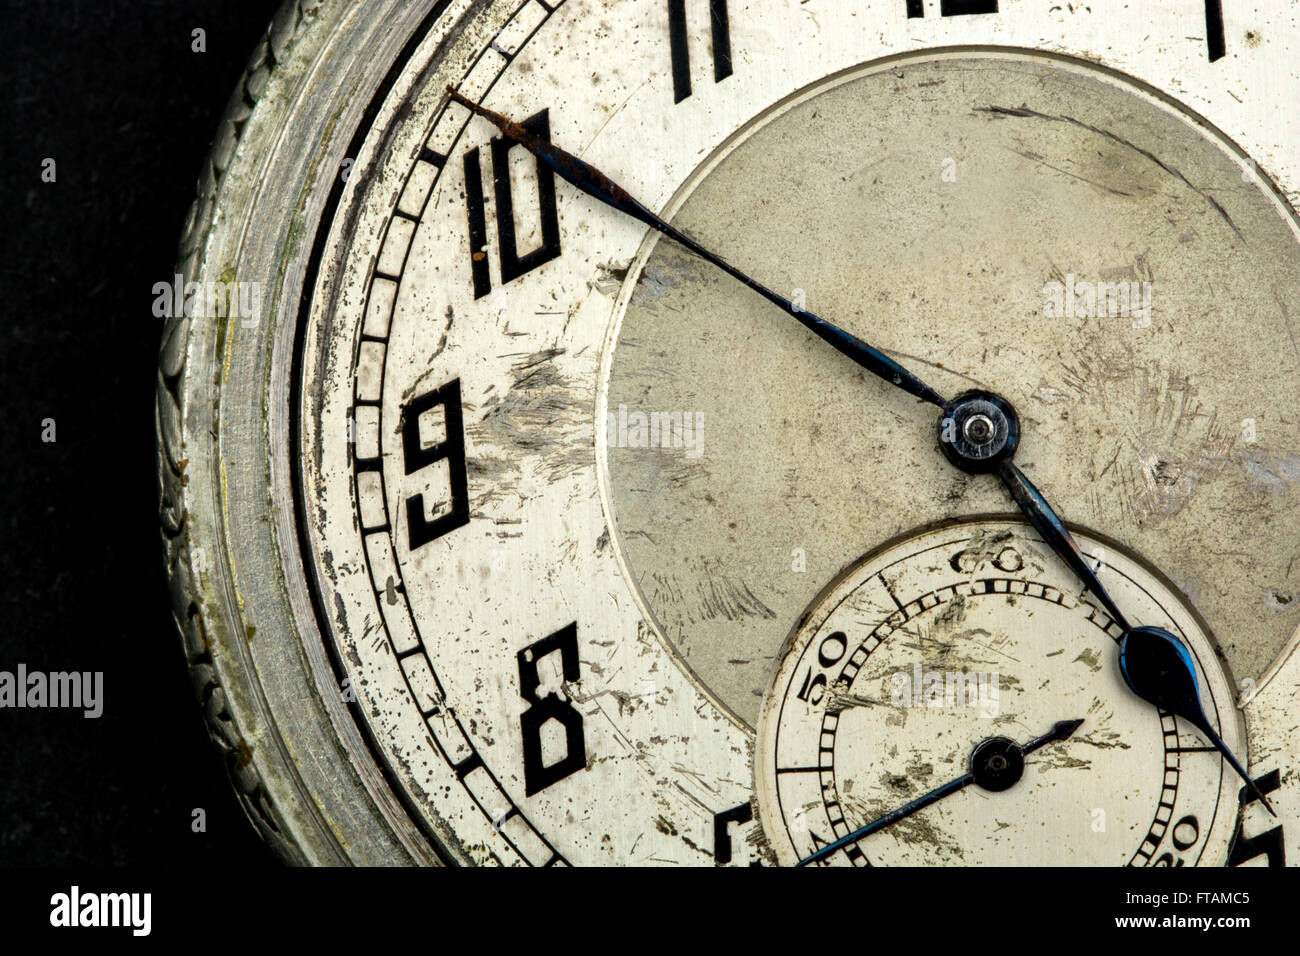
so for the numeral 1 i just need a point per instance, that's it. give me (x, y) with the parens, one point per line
(681, 54)
(1214, 42)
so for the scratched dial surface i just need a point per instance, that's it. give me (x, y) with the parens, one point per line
(973, 632)
(573, 501)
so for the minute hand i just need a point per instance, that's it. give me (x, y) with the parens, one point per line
(596, 184)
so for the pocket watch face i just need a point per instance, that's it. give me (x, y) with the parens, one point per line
(599, 538)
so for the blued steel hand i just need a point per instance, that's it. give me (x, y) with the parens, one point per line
(1155, 664)
(1158, 668)
(982, 772)
(1054, 532)
(595, 183)
(979, 432)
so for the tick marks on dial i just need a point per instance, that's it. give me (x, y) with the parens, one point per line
(890, 591)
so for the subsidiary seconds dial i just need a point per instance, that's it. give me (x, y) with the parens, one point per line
(967, 634)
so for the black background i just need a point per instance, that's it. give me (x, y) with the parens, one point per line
(113, 93)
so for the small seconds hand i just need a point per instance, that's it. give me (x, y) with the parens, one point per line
(596, 184)
(1062, 730)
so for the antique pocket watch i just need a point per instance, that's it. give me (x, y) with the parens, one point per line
(722, 432)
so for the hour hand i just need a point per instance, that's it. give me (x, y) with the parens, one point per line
(979, 432)
(1054, 532)
(1157, 667)
(596, 184)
